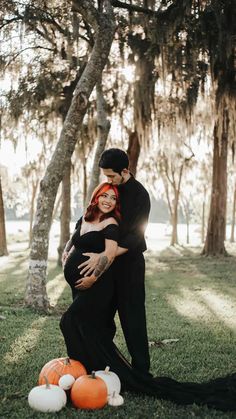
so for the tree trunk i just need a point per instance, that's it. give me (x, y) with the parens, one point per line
(203, 216)
(214, 243)
(174, 236)
(65, 213)
(133, 151)
(3, 240)
(56, 206)
(233, 217)
(104, 27)
(187, 224)
(32, 202)
(103, 126)
(68, 91)
(187, 218)
(85, 182)
(174, 222)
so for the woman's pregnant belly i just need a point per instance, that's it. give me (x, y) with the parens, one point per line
(71, 271)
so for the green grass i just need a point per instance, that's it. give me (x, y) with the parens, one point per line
(188, 297)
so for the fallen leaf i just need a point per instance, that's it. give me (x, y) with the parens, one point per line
(166, 341)
(161, 343)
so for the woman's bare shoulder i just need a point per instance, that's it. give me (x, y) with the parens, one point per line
(110, 220)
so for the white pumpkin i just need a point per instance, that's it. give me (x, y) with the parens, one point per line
(111, 379)
(115, 399)
(47, 398)
(66, 381)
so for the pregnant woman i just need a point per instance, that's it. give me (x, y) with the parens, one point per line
(87, 325)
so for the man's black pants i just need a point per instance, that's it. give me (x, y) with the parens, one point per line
(129, 274)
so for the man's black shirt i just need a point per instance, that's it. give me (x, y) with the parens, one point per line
(135, 208)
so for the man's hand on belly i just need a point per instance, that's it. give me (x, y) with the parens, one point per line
(90, 264)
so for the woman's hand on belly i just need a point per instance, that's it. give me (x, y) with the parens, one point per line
(85, 282)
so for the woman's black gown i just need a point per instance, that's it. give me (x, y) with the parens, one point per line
(88, 334)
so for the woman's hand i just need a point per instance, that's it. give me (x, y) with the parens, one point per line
(64, 258)
(65, 255)
(85, 283)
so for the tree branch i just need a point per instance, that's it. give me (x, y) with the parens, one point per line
(25, 49)
(88, 11)
(131, 7)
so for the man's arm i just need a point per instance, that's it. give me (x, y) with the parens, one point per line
(133, 237)
(105, 259)
(90, 264)
(121, 251)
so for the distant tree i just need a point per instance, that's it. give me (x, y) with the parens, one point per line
(32, 173)
(219, 25)
(103, 127)
(232, 237)
(3, 240)
(171, 167)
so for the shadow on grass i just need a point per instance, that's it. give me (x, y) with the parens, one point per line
(188, 300)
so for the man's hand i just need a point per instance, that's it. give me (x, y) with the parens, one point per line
(85, 283)
(90, 264)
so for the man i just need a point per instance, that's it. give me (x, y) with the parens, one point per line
(129, 267)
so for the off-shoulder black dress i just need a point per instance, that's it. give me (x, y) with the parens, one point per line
(86, 327)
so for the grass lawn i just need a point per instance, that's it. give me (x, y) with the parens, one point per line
(189, 298)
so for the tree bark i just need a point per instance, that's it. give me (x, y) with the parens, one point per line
(56, 207)
(85, 182)
(174, 236)
(174, 220)
(3, 239)
(65, 212)
(214, 243)
(133, 151)
(32, 203)
(103, 127)
(233, 217)
(185, 207)
(66, 189)
(203, 216)
(104, 26)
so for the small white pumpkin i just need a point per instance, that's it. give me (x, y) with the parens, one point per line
(115, 399)
(111, 379)
(47, 398)
(66, 381)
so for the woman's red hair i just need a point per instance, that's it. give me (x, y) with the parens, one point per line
(93, 210)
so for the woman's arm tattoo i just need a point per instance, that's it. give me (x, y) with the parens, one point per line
(102, 266)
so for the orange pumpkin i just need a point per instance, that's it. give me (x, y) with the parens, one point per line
(55, 368)
(89, 392)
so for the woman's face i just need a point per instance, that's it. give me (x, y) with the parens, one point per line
(107, 201)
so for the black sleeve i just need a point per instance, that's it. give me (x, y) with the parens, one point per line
(70, 243)
(135, 228)
(111, 232)
(78, 223)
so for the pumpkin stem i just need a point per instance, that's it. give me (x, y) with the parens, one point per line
(47, 382)
(66, 361)
(107, 370)
(93, 374)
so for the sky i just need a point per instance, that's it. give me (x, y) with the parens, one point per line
(14, 159)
